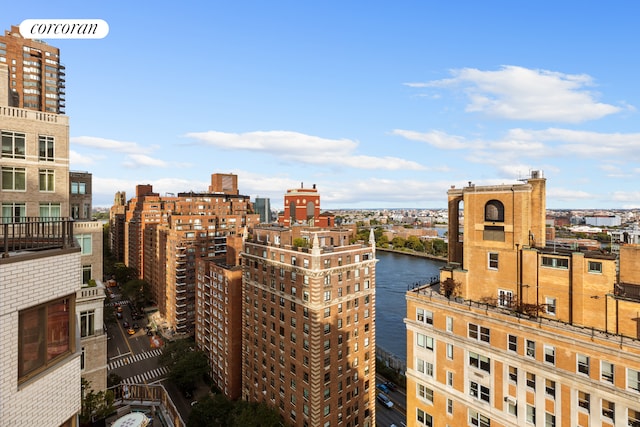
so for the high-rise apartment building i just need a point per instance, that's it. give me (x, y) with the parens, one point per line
(263, 207)
(40, 270)
(309, 324)
(165, 235)
(35, 75)
(219, 316)
(520, 333)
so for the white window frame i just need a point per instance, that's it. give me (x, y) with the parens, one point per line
(493, 259)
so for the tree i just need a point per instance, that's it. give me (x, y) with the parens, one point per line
(413, 242)
(397, 242)
(94, 405)
(300, 242)
(211, 411)
(186, 364)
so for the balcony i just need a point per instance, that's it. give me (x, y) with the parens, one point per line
(34, 234)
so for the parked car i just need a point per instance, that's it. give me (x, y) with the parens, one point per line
(125, 324)
(119, 315)
(382, 398)
(383, 388)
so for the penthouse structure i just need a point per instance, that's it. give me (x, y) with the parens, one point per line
(302, 207)
(35, 75)
(308, 345)
(519, 333)
(165, 235)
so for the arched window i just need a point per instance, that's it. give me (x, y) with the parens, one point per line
(494, 211)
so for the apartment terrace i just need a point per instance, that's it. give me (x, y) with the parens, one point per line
(551, 326)
(32, 234)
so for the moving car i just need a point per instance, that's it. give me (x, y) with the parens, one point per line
(131, 331)
(383, 388)
(382, 398)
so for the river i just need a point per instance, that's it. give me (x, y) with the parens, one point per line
(395, 273)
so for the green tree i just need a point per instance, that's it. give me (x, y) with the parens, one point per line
(440, 247)
(413, 242)
(94, 405)
(186, 364)
(300, 242)
(398, 242)
(211, 411)
(246, 414)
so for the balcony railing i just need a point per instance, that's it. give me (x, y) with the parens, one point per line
(34, 233)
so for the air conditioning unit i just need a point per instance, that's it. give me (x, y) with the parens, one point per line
(510, 400)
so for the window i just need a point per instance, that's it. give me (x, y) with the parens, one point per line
(531, 414)
(550, 306)
(424, 316)
(80, 188)
(449, 406)
(554, 262)
(87, 324)
(449, 324)
(45, 148)
(84, 240)
(549, 420)
(633, 379)
(13, 144)
(550, 388)
(47, 180)
(608, 409)
(45, 335)
(424, 341)
(479, 420)
(424, 367)
(49, 210)
(449, 351)
(450, 378)
(606, 371)
(512, 343)
(480, 362)
(505, 298)
(423, 418)
(513, 374)
(479, 391)
(550, 354)
(493, 260)
(14, 179)
(531, 348)
(584, 400)
(86, 274)
(494, 211)
(425, 393)
(633, 418)
(583, 364)
(327, 295)
(595, 267)
(531, 380)
(479, 333)
(13, 212)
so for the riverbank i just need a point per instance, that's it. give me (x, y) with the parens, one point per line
(413, 253)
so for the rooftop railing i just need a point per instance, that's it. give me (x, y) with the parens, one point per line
(34, 233)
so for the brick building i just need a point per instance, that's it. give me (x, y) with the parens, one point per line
(309, 325)
(165, 235)
(35, 75)
(518, 332)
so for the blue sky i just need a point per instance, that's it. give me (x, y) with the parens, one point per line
(378, 103)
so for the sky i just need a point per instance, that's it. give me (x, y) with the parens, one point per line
(381, 104)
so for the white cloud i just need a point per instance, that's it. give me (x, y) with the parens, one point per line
(302, 148)
(142, 160)
(438, 139)
(77, 159)
(110, 144)
(563, 195)
(519, 93)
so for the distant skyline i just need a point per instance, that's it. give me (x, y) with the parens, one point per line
(380, 104)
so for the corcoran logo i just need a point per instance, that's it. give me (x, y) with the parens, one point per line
(64, 29)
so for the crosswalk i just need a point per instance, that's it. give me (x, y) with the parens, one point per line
(114, 303)
(147, 376)
(127, 360)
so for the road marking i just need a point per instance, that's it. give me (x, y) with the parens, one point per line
(134, 358)
(144, 377)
